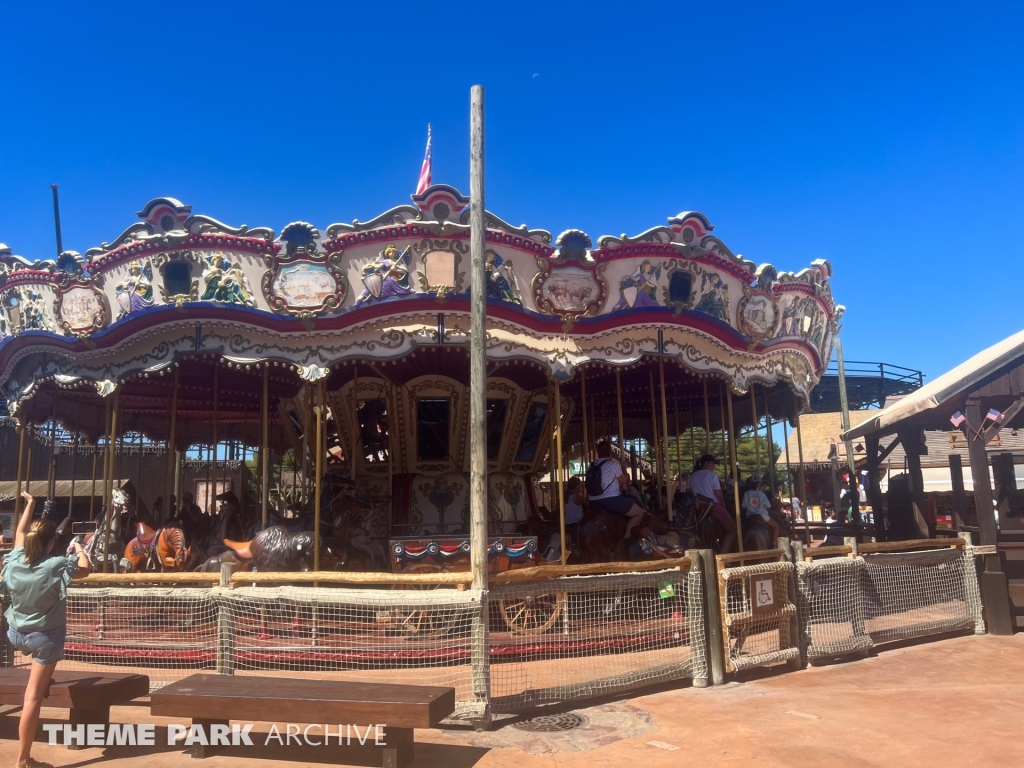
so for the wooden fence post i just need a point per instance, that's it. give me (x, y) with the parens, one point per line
(225, 626)
(694, 604)
(972, 592)
(713, 615)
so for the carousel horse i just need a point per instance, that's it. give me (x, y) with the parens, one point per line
(602, 534)
(93, 543)
(156, 550)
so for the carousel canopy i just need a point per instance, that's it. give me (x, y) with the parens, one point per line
(389, 297)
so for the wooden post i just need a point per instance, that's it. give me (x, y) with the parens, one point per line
(21, 458)
(956, 476)
(695, 607)
(994, 588)
(320, 470)
(618, 400)
(109, 510)
(265, 446)
(225, 626)
(753, 419)
(716, 647)
(912, 440)
(478, 406)
(585, 453)
(735, 474)
(664, 440)
(875, 488)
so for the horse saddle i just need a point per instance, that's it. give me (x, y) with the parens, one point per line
(240, 548)
(141, 546)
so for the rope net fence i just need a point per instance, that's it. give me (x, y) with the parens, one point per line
(585, 636)
(910, 594)
(758, 615)
(830, 609)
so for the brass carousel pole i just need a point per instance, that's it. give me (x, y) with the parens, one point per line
(618, 400)
(28, 460)
(74, 458)
(707, 420)
(801, 481)
(107, 461)
(655, 444)
(51, 474)
(679, 436)
(265, 447)
(172, 441)
(558, 460)
(770, 451)
(92, 490)
(693, 437)
(109, 495)
(664, 439)
(320, 471)
(789, 469)
(735, 475)
(21, 461)
(356, 428)
(721, 413)
(585, 453)
(753, 419)
(211, 487)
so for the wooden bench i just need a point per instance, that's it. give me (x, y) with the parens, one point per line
(89, 695)
(217, 699)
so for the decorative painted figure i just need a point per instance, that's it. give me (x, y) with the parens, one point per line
(32, 312)
(501, 280)
(714, 298)
(226, 282)
(387, 276)
(135, 292)
(639, 289)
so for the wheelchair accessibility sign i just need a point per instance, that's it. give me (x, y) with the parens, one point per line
(762, 593)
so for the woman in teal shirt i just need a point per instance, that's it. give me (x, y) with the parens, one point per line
(37, 617)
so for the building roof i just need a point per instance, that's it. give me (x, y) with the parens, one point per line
(817, 434)
(952, 386)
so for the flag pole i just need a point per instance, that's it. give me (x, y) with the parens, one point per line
(56, 220)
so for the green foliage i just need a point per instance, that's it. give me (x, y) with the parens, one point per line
(693, 443)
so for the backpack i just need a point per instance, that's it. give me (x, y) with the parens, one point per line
(592, 482)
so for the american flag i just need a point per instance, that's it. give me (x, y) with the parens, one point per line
(994, 415)
(424, 181)
(957, 419)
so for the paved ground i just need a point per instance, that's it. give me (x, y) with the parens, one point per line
(952, 702)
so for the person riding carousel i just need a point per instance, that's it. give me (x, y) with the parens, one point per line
(708, 488)
(606, 483)
(756, 506)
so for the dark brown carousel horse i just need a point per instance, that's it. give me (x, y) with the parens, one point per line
(602, 532)
(156, 550)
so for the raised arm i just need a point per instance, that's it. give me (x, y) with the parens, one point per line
(26, 519)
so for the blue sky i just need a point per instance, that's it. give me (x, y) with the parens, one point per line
(888, 138)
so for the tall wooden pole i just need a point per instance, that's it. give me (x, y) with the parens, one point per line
(265, 447)
(21, 460)
(735, 474)
(586, 432)
(480, 661)
(753, 419)
(664, 439)
(851, 459)
(320, 470)
(618, 401)
(56, 219)
(558, 461)
(478, 353)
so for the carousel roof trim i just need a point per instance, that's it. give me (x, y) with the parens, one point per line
(383, 288)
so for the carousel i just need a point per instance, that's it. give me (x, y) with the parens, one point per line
(309, 388)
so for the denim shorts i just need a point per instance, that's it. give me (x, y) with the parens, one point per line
(44, 647)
